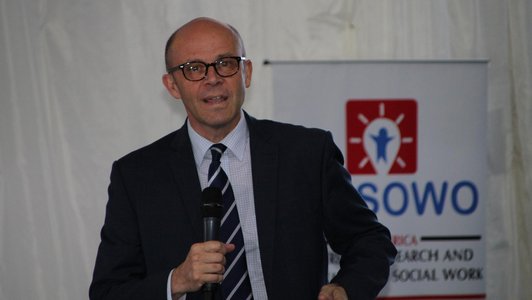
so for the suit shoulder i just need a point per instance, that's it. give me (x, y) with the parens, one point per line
(152, 150)
(280, 130)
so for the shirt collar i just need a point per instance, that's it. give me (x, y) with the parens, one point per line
(235, 141)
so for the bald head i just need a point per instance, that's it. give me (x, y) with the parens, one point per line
(197, 29)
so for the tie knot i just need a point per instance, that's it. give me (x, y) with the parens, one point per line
(217, 150)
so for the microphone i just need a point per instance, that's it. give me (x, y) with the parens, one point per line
(211, 210)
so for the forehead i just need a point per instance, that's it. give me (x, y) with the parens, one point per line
(204, 41)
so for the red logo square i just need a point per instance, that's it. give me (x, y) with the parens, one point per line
(381, 136)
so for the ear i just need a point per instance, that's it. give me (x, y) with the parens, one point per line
(171, 86)
(248, 70)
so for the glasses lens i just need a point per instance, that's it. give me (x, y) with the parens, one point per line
(227, 66)
(194, 70)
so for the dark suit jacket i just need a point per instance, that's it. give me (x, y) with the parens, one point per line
(303, 196)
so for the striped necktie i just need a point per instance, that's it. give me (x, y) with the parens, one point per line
(236, 284)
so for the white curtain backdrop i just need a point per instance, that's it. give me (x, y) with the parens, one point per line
(80, 86)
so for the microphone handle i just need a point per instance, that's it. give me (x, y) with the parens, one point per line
(208, 295)
(211, 229)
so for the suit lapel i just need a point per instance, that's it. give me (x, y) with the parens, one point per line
(186, 178)
(264, 165)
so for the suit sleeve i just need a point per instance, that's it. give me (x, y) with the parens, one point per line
(120, 270)
(352, 230)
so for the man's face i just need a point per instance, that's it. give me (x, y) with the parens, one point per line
(213, 103)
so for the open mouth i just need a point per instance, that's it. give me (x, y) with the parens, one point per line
(215, 99)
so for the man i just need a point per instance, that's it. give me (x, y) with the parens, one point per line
(287, 183)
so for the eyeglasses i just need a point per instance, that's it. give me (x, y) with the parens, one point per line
(197, 70)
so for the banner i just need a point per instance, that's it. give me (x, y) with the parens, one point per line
(414, 138)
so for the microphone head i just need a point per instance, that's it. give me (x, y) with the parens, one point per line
(211, 206)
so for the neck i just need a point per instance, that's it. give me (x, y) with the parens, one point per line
(213, 133)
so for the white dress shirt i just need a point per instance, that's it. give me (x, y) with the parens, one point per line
(236, 162)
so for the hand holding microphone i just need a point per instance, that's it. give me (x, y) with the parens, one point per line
(205, 261)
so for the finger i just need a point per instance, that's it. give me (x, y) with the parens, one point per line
(214, 246)
(215, 268)
(202, 273)
(212, 278)
(332, 292)
(213, 258)
(325, 295)
(229, 248)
